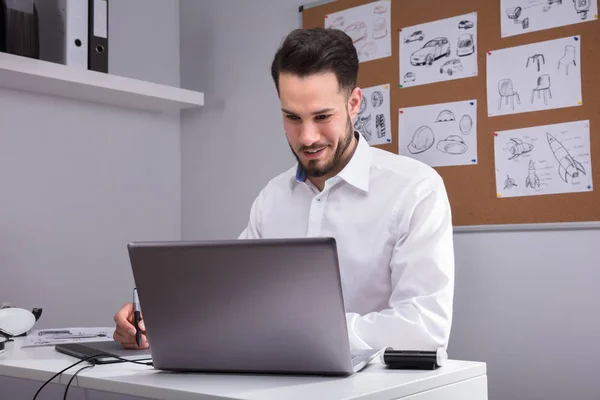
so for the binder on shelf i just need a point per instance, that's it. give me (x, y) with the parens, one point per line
(64, 32)
(98, 35)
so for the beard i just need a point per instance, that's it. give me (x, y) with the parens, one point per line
(313, 169)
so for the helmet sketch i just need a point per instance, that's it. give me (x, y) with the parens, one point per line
(422, 140)
(445, 116)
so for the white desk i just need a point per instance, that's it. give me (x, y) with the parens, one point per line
(22, 372)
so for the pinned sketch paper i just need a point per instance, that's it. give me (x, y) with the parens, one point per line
(369, 27)
(439, 134)
(524, 16)
(373, 119)
(533, 77)
(547, 159)
(438, 51)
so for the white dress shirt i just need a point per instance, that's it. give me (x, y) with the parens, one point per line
(391, 220)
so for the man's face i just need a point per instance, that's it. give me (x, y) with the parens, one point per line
(317, 118)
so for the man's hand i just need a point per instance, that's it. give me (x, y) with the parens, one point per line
(125, 330)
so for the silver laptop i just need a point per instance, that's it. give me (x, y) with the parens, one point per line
(260, 306)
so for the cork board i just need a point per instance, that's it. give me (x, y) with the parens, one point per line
(472, 189)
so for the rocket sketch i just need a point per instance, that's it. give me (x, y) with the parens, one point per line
(567, 165)
(558, 162)
(509, 183)
(519, 148)
(532, 179)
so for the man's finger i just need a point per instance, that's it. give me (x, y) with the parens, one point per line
(134, 345)
(121, 320)
(119, 336)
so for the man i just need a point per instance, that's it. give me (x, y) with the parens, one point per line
(389, 214)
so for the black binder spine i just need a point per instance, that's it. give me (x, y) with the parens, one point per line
(98, 35)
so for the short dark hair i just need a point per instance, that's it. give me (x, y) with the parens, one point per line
(311, 51)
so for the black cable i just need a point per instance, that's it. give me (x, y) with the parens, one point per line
(87, 359)
(73, 377)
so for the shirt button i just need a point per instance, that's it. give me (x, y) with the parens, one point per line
(318, 199)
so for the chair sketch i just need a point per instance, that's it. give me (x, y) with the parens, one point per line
(543, 85)
(505, 88)
(536, 59)
(568, 58)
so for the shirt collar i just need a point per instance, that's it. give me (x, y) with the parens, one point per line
(356, 172)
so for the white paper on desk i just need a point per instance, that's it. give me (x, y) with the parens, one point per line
(547, 159)
(524, 16)
(369, 27)
(373, 119)
(441, 134)
(439, 51)
(533, 77)
(52, 337)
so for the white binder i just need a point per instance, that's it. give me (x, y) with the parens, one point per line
(64, 31)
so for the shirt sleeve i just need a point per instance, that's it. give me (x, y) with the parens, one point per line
(253, 229)
(419, 316)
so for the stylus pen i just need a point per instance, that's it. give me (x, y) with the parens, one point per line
(137, 318)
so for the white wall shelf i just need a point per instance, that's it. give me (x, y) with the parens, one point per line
(31, 75)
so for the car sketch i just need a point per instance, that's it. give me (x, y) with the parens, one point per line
(451, 66)
(465, 24)
(431, 51)
(409, 77)
(416, 35)
(465, 45)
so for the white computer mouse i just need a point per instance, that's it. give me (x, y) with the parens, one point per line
(16, 321)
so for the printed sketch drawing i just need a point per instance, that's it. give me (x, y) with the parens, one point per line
(432, 50)
(380, 9)
(409, 77)
(368, 50)
(506, 90)
(337, 23)
(453, 144)
(451, 67)
(380, 125)
(582, 7)
(532, 179)
(376, 98)
(517, 14)
(372, 114)
(509, 183)
(543, 86)
(379, 28)
(357, 31)
(567, 59)
(567, 165)
(466, 124)
(514, 14)
(535, 59)
(363, 125)
(415, 36)
(422, 140)
(465, 24)
(519, 148)
(445, 116)
(465, 46)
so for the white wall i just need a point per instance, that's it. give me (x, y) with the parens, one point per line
(525, 302)
(236, 142)
(79, 180)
